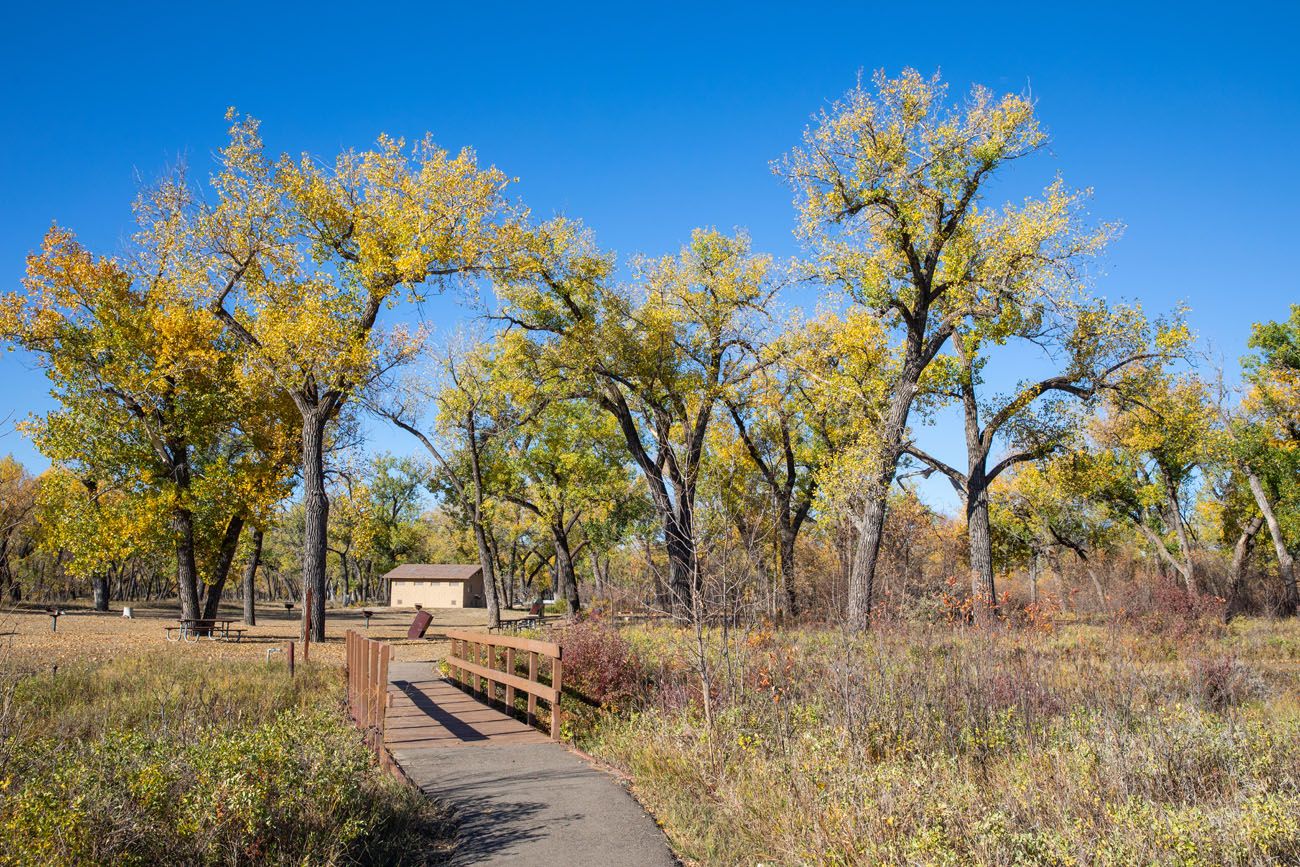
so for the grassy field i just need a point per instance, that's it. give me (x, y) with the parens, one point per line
(85, 635)
(1137, 744)
(118, 747)
(1161, 742)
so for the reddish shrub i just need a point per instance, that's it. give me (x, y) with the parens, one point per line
(599, 664)
(1165, 607)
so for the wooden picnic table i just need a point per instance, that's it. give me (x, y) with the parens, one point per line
(216, 628)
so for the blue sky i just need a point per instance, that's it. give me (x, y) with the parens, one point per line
(645, 123)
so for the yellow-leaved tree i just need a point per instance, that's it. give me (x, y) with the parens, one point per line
(152, 414)
(889, 186)
(308, 254)
(658, 355)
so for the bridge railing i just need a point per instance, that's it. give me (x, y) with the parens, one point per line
(506, 668)
(367, 675)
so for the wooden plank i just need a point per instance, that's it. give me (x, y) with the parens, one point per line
(381, 693)
(531, 645)
(534, 690)
(372, 666)
(434, 713)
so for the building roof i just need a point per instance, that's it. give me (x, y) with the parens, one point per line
(434, 572)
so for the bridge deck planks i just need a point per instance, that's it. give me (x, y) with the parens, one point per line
(428, 711)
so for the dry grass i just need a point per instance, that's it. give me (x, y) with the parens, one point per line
(938, 745)
(87, 636)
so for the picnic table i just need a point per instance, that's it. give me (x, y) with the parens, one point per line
(215, 628)
(528, 621)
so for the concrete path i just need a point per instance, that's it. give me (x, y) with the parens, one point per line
(519, 798)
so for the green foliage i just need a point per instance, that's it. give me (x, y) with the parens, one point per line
(146, 761)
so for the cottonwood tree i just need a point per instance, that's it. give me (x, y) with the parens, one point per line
(17, 507)
(1147, 449)
(95, 529)
(848, 370)
(1266, 439)
(476, 415)
(1228, 508)
(566, 469)
(150, 404)
(1104, 348)
(397, 487)
(657, 355)
(1039, 510)
(781, 446)
(374, 518)
(889, 187)
(307, 255)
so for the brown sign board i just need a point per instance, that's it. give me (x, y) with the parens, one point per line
(419, 625)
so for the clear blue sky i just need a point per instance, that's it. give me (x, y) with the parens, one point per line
(1183, 118)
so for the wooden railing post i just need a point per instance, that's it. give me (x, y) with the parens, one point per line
(381, 696)
(367, 687)
(373, 668)
(510, 667)
(557, 682)
(532, 698)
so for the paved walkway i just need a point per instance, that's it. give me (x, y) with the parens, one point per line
(520, 799)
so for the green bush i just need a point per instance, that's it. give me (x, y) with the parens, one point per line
(196, 766)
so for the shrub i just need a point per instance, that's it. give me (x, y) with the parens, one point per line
(1222, 683)
(949, 745)
(149, 761)
(1168, 609)
(600, 665)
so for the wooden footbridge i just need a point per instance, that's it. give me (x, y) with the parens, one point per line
(471, 740)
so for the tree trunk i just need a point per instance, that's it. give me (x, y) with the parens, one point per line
(99, 589)
(785, 537)
(1188, 566)
(1240, 559)
(250, 576)
(871, 527)
(344, 575)
(187, 574)
(598, 572)
(488, 563)
(683, 567)
(1166, 560)
(1033, 576)
(1096, 586)
(226, 556)
(984, 596)
(316, 508)
(862, 563)
(1285, 562)
(566, 578)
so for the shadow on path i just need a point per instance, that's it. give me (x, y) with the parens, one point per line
(452, 723)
